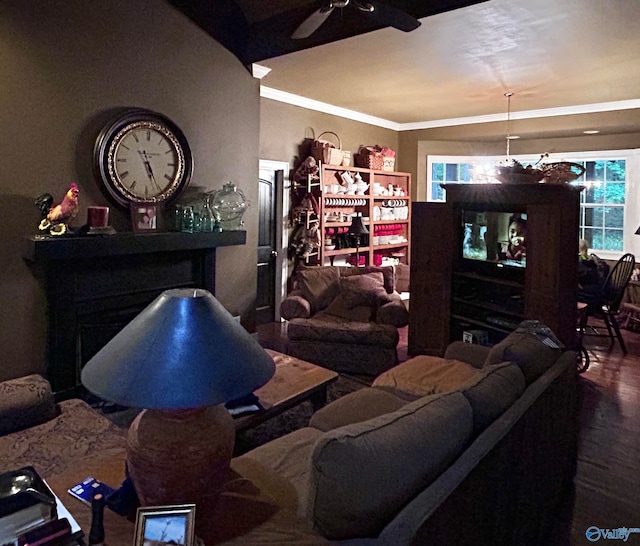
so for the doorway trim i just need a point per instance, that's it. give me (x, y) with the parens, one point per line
(267, 169)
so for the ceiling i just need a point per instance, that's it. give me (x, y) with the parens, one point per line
(459, 63)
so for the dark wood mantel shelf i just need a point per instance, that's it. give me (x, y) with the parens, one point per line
(39, 248)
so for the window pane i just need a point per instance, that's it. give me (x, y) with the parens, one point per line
(616, 170)
(596, 239)
(594, 193)
(614, 217)
(437, 192)
(465, 172)
(588, 236)
(614, 193)
(437, 172)
(595, 171)
(594, 216)
(613, 239)
(451, 172)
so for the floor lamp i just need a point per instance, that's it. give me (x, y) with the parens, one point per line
(357, 228)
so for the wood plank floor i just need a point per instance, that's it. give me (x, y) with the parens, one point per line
(607, 483)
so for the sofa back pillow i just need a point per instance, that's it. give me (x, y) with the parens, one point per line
(363, 474)
(527, 351)
(388, 274)
(319, 285)
(492, 392)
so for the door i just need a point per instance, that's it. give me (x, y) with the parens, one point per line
(269, 272)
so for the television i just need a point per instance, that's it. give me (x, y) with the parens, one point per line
(494, 241)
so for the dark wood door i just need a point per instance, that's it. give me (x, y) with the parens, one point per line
(267, 250)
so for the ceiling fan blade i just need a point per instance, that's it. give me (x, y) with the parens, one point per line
(312, 23)
(394, 17)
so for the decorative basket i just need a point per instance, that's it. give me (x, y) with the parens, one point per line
(370, 161)
(562, 172)
(507, 175)
(325, 151)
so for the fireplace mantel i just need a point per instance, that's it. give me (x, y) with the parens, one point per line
(95, 285)
(41, 248)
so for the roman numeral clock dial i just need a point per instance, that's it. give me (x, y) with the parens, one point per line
(142, 157)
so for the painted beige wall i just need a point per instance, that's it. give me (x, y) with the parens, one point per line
(63, 64)
(286, 131)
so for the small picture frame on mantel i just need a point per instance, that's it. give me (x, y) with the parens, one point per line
(146, 217)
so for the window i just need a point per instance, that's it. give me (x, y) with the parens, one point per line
(603, 203)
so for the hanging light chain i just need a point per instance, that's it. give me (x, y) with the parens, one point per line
(508, 95)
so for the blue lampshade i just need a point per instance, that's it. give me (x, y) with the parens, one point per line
(183, 351)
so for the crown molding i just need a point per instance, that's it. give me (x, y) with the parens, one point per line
(303, 102)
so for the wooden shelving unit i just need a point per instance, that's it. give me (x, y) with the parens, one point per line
(387, 217)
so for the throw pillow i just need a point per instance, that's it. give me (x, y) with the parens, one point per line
(319, 285)
(367, 289)
(362, 474)
(387, 271)
(527, 351)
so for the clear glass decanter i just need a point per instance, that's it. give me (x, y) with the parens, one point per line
(230, 204)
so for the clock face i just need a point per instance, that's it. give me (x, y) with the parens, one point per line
(143, 157)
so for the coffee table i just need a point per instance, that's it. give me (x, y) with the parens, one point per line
(295, 381)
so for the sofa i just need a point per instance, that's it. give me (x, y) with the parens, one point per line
(345, 318)
(476, 447)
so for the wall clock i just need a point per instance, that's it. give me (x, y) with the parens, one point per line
(141, 156)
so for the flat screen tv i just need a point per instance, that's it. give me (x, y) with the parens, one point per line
(494, 241)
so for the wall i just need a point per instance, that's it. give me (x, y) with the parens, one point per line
(286, 132)
(64, 64)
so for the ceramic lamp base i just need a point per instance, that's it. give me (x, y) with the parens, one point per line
(181, 456)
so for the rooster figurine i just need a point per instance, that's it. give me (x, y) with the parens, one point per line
(55, 218)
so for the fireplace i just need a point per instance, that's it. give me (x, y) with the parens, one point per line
(97, 285)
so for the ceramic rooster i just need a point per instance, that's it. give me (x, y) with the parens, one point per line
(55, 219)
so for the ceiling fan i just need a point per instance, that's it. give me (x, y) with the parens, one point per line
(385, 13)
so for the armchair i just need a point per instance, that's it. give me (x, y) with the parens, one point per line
(345, 318)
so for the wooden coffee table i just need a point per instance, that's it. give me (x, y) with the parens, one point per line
(295, 381)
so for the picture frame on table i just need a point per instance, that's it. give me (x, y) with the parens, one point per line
(171, 524)
(146, 217)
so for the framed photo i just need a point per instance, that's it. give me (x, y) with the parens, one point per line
(165, 525)
(146, 217)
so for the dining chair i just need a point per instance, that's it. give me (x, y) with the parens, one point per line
(607, 307)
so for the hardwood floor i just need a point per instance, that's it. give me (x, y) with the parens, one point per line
(607, 483)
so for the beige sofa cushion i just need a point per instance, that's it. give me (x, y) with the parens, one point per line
(356, 407)
(280, 468)
(363, 474)
(423, 375)
(527, 351)
(492, 392)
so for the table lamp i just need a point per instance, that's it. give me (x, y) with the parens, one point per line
(358, 229)
(180, 359)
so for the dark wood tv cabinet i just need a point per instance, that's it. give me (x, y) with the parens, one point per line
(450, 294)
